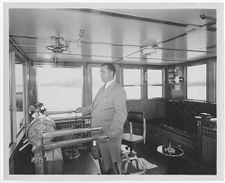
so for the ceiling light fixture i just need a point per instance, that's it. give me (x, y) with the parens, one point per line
(58, 47)
(149, 51)
(150, 48)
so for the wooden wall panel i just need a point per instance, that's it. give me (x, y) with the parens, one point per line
(153, 108)
(176, 91)
(209, 150)
(211, 81)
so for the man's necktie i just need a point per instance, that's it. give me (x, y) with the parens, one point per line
(104, 87)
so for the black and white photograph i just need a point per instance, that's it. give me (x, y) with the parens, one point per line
(115, 91)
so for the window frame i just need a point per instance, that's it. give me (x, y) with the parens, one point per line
(206, 83)
(15, 58)
(93, 66)
(162, 85)
(141, 73)
(24, 97)
(61, 65)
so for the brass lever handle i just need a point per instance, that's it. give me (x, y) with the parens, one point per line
(23, 147)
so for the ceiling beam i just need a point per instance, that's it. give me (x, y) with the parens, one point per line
(119, 15)
(187, 32)
(199, 61)
(185, 50)
(80, 62)
(13, 42)
(104, 56)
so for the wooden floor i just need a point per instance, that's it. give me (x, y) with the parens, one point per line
(155, 163)
(86, 164)
(158, 164)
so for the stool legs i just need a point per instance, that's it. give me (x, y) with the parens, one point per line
(128, 158)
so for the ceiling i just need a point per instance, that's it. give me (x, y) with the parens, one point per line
(115, 35)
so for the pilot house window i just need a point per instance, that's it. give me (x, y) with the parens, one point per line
(132, 83)
(196, 82)
(60, 88)
(97, 82)
(19, 96)
(154, 83)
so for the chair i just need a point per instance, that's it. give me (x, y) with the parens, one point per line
(134, 132)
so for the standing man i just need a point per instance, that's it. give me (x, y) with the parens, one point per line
(109, 111)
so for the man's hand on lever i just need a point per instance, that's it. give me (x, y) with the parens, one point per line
(78, 110)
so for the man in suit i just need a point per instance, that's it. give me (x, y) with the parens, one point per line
(109, 111)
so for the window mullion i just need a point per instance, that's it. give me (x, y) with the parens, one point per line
(13, 97)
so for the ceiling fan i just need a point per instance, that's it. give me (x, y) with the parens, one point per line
(58, 47)
(151, 46)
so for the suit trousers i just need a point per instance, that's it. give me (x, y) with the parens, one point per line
(110, 151)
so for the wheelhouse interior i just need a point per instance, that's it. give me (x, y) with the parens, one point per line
(166, 60)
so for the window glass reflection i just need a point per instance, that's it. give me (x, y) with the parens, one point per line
(196, 82)
(60, 88)
(19, 96)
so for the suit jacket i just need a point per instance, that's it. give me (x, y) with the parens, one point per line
(109, 110)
